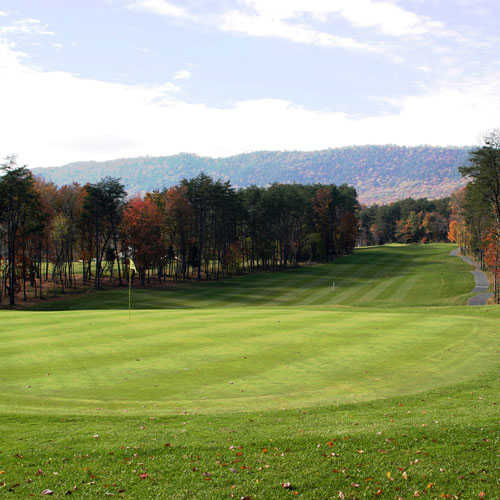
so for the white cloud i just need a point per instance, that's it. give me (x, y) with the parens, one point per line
(161, 7)
(26, 27)
(275, 27)
(384, 16)
(183, 74)
(296, 20)
(51, 118)
(389, 18)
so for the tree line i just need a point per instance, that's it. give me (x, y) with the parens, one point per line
(202, 228)
(475, 218)
(405, 221)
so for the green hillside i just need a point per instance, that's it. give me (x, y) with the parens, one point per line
(380, 173)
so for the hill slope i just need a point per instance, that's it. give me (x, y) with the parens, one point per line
(380, 173)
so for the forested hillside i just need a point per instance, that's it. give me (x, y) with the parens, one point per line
(379, 173)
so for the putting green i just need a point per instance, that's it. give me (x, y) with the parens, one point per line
(282, 340)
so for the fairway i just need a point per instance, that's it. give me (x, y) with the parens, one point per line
(395, 328)
(194, 347)
(387, 276)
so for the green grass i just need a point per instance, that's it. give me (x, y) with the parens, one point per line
(392, 275)
(390, 368)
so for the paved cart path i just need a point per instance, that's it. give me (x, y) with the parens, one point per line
(482, 284)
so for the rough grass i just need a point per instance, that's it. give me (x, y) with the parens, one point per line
(380, 388)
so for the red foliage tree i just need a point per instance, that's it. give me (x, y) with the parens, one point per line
(142, 233)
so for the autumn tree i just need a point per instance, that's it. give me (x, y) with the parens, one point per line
(102, 211)
(483, 201)
(141, 230)
(18, 203)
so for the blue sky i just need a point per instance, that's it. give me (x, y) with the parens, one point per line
(102, 79)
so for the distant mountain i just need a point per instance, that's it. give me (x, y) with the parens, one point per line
(379, 173)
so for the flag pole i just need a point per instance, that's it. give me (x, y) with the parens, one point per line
(129, 292)
(131, 267)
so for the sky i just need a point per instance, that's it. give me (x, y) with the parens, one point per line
(104, 79)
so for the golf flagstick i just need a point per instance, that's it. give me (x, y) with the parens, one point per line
(131, 267)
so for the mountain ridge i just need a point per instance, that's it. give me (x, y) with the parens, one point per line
(380, 173)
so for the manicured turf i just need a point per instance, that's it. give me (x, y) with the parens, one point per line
(389, 371)
(393, 275)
